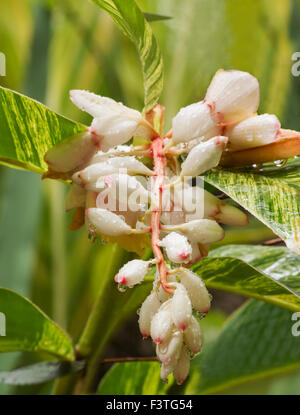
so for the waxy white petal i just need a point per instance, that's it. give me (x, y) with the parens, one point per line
(233, 96)
(181, 307)
(132, 165)
(169, 351)
(182, 368)
(113, 121)
(91, 174)
(105, 155)
(149, 307)
(192, 336)
(107, 223)
(161, 324)
(76, 197)
(132, 273)
(253, 132)
(220, 211)
(177, 248)
(203, 157)
(196, 289)
(195, 120)
(199, 230)
(73, 153)
(165, 371)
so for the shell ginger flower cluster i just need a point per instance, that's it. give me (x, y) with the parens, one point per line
(137, 195)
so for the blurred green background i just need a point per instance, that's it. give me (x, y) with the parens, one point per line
(57, 45)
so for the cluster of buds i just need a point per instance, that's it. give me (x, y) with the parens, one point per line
(136, 195)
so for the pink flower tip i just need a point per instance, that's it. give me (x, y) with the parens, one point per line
(158, 340)
(221, 140)
(182, 326)
(120, 279)
(184, 255)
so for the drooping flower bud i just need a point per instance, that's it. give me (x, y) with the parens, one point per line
(203, 157)
(196, 254)
(233, 95)
(196, 289)
(125, 185)
(149, 307)
(192, 336)
(113, 121)
(105, 155)
(230, 215)
(181, 307)
(91, 173)
(218, 210)
(107, 223)
(130, 163)
(76, 197)
(203, 231)
(182, 368)
(169, 351)
(73, 153)
(161, 323)
(177, 248)
(165, 371)
(193, 121)
(132, 273)
(253, 132)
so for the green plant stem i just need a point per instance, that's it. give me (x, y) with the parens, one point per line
(59, 273)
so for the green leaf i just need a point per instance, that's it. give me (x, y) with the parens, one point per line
(271, 195)
(28, 129)
(254, 271)
(257, 342)
(29, 329)
(40, 372)
(153, 17)
(133, 378)
(133, 24)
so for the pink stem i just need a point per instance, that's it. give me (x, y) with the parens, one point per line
(159, 170)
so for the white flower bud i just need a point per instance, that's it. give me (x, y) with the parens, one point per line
(132, 273)
(253, 132)
(161, 323)
(195, 120)
(125, 185)
(177, 248)
(105, 155)
(182, 368)
(218, 210)
(192, 336)
(91, 173)
(130, 163)
(165, 371)
(196, 289)
(113, 121)
(203, 231)
(149, 307)
(75, 197)
(73, 153)
(169, 351)
(230, 215)
(203, 157)
(107, 223)
(196, 254)
(233, 95)
(181, 307)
